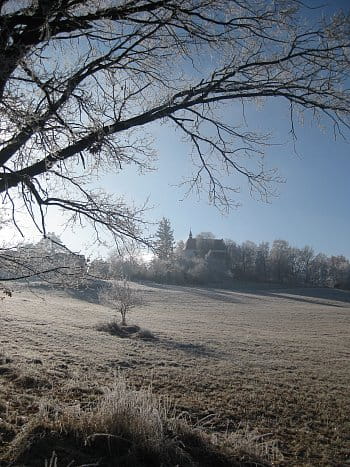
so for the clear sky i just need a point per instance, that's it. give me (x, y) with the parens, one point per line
(312, 206)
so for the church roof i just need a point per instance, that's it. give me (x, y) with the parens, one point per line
(205, 244)
(191, 243)
(216, 244)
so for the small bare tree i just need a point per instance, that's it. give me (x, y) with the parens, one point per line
(119, 296)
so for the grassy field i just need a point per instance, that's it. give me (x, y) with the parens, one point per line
(265, 369)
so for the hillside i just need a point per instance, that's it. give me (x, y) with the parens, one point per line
(270, 366)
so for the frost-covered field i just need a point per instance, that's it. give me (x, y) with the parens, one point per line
(275, 362)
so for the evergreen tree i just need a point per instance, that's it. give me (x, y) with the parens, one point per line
(164, 240)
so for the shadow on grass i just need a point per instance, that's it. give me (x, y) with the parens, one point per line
(135, 332)
(205, 292)
(316, 296)
(258, 291)
(90, 293)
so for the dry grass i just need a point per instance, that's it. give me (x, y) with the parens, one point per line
(115, 328)
(260, 373)
(124, 427)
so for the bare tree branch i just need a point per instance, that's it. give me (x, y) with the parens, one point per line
(80, 80)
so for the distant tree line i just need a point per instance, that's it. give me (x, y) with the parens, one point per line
(279, 263)
(285, 264)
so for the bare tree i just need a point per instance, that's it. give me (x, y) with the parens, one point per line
(120, 297)
(80, 80)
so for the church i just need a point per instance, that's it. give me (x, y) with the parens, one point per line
(213, 250)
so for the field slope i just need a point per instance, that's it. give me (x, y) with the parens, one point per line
(272, 365)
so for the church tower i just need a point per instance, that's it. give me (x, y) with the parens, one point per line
(190, 246)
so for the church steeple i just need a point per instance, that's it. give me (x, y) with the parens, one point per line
(190, 245)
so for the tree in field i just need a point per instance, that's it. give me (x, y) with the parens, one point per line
(120, 297)
(81, 84)
(164, 244)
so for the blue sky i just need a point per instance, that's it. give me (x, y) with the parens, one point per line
(312, 206)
